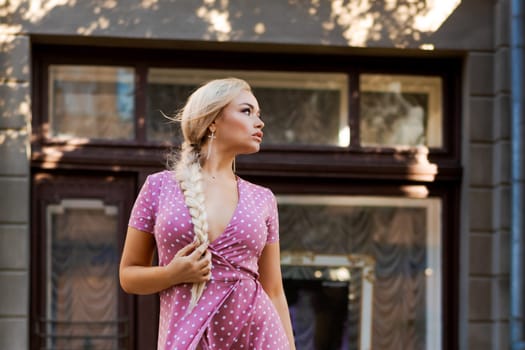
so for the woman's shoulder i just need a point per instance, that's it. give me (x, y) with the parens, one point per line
(161, 177)
(256, 188)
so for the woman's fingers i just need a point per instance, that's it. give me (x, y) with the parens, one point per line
(193, 263)
(204, 261)
(199, 251)
(206, 265)
(187, 249)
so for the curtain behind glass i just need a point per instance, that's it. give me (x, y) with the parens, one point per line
(82, 301)
(395, 237)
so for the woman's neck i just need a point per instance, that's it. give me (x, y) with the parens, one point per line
(218, 169)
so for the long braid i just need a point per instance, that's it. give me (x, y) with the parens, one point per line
(188, 174)
(202, 108)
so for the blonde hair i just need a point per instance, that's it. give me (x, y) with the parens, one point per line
(203, 106)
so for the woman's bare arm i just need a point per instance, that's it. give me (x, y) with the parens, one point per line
(271, 280)
(191, 264)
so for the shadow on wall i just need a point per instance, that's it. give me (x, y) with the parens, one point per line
(14, 106)
(353, 22)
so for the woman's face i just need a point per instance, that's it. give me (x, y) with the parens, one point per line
(238, 129)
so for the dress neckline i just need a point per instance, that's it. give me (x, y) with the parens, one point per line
(234, 214)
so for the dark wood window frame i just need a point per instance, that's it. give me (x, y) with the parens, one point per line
(354, 170)
(353, 161)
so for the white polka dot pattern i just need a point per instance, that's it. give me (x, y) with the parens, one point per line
(234, 312)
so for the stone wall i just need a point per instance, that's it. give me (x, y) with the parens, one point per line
(14, 188)
(489, 194)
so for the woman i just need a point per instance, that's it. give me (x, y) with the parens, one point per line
(216, 235)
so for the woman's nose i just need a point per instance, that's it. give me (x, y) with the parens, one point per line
(259, 123)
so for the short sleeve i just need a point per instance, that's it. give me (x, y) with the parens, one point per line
(272, 221)
(144, 210)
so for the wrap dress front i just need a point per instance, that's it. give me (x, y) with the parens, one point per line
(234, 311)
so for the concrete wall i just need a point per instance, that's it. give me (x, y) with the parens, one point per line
(382, 24)
(14, 188)
(488, 163)
(477, 27)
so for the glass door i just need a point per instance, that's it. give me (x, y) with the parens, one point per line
(79, 235)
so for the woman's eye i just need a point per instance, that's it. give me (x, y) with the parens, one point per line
(247, 111)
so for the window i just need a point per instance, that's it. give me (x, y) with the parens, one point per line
(325, 103)
(363, 153)
(92, 102)
(371, 265)
(298, 108)
(77, 302)
(82, 276)
(400, 110)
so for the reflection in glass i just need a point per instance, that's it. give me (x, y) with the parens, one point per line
(298, 108)
(94, 102)
(164, 99)
(82, 276)
(330, 299)
(318, 310)
(297, 115)
(399, 110)
(401, 235)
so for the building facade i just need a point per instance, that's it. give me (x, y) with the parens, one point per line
(388, 144)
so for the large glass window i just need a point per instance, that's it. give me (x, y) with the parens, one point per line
(298, 108)
(91, 102)
(362, 270)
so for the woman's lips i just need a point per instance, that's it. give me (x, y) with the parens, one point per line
(258, 135)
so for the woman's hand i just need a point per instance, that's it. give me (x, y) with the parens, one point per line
(191, 264)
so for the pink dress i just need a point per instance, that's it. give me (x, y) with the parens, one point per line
(234, 311)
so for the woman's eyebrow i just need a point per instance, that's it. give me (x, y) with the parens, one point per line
(251, 107)
(247, 104)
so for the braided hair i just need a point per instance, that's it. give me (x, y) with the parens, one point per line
(203, 106)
